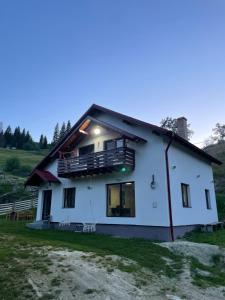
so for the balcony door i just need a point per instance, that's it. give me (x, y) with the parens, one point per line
(47, 200)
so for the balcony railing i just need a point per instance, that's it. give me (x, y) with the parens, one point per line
(119, 159)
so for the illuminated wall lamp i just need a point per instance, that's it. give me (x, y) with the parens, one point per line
(97, 131)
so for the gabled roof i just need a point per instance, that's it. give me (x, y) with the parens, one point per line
(38, 177)
(129, 120)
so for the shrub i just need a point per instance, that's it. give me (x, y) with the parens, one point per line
(12, 164)
(23, 171)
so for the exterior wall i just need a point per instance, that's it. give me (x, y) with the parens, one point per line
(151, 205)
(192, 170)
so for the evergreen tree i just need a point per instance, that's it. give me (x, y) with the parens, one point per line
(23, 137)
(8, 137)
(56, 134)
(28, 137)
(41, 141)
(45, 143)
(68, 126)
(17, 138)
(2, 139)
(62, 130)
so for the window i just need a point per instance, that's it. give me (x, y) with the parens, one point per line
(207, 199)
(185, 190)
(69, 198)
(121, 200)
(86, 149)
(113, 144)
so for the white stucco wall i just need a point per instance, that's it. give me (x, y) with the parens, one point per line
(151, 205)
(190, 169)
(90, 204)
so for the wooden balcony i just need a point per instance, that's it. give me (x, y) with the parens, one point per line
(119, 159)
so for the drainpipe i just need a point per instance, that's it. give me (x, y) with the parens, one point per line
(168, 188)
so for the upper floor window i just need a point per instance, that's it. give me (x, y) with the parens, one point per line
(207, 199)
(185, 191)
(121, 200)
(69, 198)
(113, 144)
(86, 149)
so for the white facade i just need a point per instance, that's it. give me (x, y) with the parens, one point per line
(151, 204)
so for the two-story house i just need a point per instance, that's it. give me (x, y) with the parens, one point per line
(128, 177)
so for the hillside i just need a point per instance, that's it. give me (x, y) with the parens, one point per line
(11, 186)
(218, 151)
(30, 158)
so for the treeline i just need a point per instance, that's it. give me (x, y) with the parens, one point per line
(59, 133)
(19, 139)
(22, 139)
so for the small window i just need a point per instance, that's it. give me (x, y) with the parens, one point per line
(185, 190)
(86, 149)
(207, 199)
(113, 144)
(69, 198)
(121, 200)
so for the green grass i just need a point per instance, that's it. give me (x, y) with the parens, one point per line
(214, 238)
(17, 257)
(145, 253)
(30, 158)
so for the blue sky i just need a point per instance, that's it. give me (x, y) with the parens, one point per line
(148, 59)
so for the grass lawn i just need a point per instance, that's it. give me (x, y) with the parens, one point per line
(214, 238)
(17, 256)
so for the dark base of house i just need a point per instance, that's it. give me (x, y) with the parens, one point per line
(158, 233)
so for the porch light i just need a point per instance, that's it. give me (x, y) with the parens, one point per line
(97, 130)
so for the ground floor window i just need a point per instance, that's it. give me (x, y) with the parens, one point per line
(207, 198)
(69, 198)
(185, 191)
(121, 200)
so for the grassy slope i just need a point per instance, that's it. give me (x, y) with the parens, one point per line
(17, 258)
(30, 158)
(8, 183)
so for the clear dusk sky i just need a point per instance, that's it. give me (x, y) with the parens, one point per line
(148, 59)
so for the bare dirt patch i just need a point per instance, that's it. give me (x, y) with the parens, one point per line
(80, 275)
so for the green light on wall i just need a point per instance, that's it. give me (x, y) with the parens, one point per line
(123, 169)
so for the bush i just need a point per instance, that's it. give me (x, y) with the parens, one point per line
(221, 206)
(23, 171)
(12, 164)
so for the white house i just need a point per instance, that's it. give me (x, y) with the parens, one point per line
(128, 177)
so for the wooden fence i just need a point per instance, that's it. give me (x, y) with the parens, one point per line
(18, 206)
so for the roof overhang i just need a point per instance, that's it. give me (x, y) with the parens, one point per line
(38, 177)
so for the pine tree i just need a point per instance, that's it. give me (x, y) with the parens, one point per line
(62, 130)
(23, 137)
(2, 139)
(56, 134)
(41, 140)
(45, 143)
(68, 126)
(8, 137)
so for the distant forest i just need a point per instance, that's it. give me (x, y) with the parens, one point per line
(22, 139)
